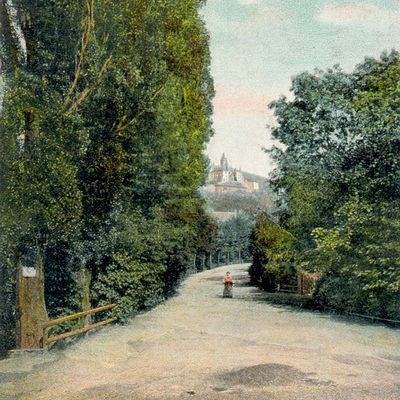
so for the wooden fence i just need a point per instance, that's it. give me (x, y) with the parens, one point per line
(287, 288)
(48, 324)
(305, 284)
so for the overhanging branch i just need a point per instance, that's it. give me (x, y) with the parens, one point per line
(88, 90)
(87, 30)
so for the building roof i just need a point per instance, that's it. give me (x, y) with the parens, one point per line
(219, 168)
(234, 174)
(231, 184)
(254, 178)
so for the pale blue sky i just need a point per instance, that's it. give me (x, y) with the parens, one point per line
(258, 45)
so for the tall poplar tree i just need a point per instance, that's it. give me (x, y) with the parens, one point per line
(105, 114)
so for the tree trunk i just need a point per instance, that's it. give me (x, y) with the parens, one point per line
(3, 310)
(31, 133)
(84, 280)
(7, 302)
(31, 305)
(9, 53)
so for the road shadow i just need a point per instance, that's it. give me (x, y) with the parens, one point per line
(293, 303)
(321, 314)
(272, 374)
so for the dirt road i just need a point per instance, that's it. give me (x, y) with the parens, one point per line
(198, 345)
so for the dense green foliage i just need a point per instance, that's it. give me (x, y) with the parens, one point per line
(232, 244)
(272, 260)
(248, 202)
(235, 213)
(104, 120)
(338, 183)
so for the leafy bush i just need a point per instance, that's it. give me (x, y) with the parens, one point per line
(292, 300)
(337, 177)
(272, 261)
(360, 260)
(133, 285)
(346, 295)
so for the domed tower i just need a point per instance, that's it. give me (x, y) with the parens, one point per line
(224, 162)
(225, 168)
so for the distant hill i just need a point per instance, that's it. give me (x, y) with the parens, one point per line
(225, 178)
(231, 202)
(229, 190)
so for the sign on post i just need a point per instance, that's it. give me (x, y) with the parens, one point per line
(29, 272)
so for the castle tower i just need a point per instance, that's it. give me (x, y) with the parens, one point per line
(224, 162)
(238, 176)
(225, 168)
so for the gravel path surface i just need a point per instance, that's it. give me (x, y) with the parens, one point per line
(198, 345)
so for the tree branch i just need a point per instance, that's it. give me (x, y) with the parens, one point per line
(9, 54)
(87, 30)
(121, 126)
(88, 90)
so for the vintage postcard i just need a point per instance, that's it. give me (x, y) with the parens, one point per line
(199, 199)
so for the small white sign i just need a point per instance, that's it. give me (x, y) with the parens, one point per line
(28, 272)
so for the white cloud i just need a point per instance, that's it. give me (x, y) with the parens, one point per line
(261, 17)
(264, 13)
(249, 2)
(362, 15)
(271, 14)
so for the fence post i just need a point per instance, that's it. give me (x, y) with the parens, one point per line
(300, 283)
(31, 306)
(45, 337)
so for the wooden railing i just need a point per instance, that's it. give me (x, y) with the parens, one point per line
(287, 288)
(48, 324)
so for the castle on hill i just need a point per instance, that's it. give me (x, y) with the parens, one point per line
(224, 178)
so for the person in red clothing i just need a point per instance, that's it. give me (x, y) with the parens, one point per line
(228, 285)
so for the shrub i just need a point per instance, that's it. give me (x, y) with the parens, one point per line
(272, 261)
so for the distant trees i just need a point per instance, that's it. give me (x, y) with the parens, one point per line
(337, 178)
(272, 259)
(233, 241)
(249, 202)
(224, 242)
(105, 114)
